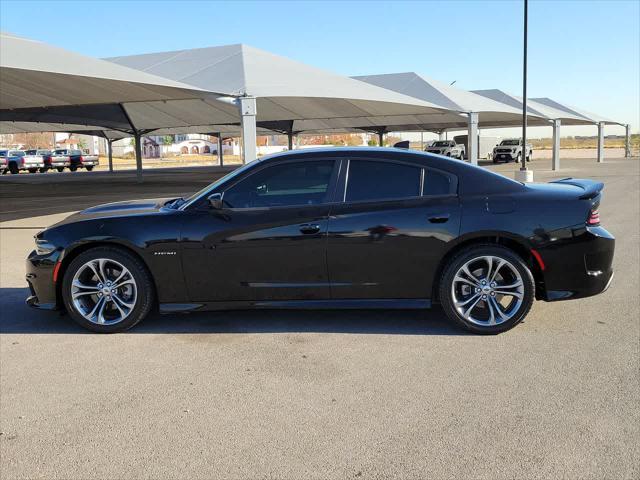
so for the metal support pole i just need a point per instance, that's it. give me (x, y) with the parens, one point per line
(110, 153)
(441, 135)
(627, 141)
(290, 139)
(472, 138)
(381, 138)
(248, 124)
(600, 142)
(524, 90)
(422, 141)
(220, 153)
(138, 148)
(555, 157)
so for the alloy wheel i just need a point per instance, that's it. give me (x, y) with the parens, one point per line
(104, 291)
(487, 290)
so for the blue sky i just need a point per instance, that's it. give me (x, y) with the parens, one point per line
(585, 53)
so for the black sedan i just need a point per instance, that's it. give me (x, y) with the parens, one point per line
(331, 228)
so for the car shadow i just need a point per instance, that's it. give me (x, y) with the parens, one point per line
(17, 318)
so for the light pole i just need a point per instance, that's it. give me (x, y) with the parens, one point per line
(523, 174)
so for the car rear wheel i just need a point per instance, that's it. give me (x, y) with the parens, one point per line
(518, 158)
(107, 290)
(44, 169)
(73, 168)
(60, 169)
(487, 289)
(89, 168)
(33, 170)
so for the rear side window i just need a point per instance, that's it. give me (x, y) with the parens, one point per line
(288, 184)
(436, 183)
(370, 180)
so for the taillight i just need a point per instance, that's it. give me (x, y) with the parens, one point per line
(594, 218)
(81, 159)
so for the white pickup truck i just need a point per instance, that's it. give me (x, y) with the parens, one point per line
(77, 159)
(511, 149)
(15, 161)
(448, 148)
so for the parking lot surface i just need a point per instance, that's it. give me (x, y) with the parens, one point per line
(269, 394)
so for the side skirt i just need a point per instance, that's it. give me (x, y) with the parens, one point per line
(356, 304)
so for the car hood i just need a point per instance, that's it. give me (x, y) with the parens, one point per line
(120, 209)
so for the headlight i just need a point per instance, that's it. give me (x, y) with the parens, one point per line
(43, 247)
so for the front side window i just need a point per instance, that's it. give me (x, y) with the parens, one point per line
(288, 184)
(371, 180)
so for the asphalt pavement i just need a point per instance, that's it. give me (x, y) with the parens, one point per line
(269, 394)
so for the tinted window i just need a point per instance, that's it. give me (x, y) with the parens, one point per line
(75, 152)
(381, 180)
(30, 152)
(304, 183)
(436, 183)
(3, 153)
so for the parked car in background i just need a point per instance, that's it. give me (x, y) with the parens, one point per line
(3, 160)
(331, 228)
(77, 159)
(511, 149)
(448, 148)
(59, 161)
(485, 145)
(50, 160)
(18, 160)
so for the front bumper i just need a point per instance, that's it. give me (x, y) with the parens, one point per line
(579, 266)
(503, 156)
(40, 280)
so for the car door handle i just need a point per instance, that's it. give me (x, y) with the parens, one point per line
(309, 228)
(441, 218)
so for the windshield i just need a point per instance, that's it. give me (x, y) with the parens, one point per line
(31, 152)
(61, 152)
(16, 153)
(510, 142)
(3, 153)
(441, 144)
(44, 152)
(218, 182)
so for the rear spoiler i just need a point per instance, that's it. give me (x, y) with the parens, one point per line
(591, 189)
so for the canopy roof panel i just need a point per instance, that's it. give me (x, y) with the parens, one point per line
(35, 74)
(537, 108)
(284, 89)
(572, 111)
(491, 113)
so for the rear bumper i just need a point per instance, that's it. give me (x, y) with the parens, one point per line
(578, 267)
(40, 281)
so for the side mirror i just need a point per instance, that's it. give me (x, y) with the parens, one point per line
(215, 200)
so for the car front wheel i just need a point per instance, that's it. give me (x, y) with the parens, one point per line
(487, 289)
(107, 290)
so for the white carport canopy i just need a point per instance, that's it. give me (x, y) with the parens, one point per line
(281, 94)
(554, 116)
(42, 83)
(479, 111)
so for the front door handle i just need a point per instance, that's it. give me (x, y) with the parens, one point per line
(309, 228)
(441, 218)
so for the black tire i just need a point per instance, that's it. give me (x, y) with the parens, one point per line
(43, 169)
(89, 168)
(13, 168)
(518, 158)
(60, 169)
(73, 168)
(144, 285)
(464, 256)
(33, 170)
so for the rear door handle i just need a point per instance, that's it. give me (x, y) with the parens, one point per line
(441, 218)
(309, 228)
